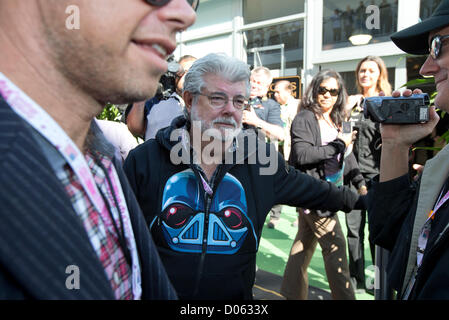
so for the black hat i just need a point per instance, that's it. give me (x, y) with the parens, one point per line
(414, 39)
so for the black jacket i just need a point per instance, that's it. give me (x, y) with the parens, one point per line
(308, 154)
(391, 218)
(209, 243)
(367, 145)
(41, 235)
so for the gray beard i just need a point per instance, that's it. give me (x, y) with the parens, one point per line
(209, 130)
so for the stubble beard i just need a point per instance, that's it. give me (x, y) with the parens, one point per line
(97, 70)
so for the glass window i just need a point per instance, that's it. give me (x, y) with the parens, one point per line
(344, 18)
(427, 7)
(260, 10)
(263, 47)
(199, 48)
(213, 13)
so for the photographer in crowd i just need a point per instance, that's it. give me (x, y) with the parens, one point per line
(146, 123)
(264, 113)
(406, 217)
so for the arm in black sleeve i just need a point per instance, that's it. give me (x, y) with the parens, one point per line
(304, 151)
(298, 189)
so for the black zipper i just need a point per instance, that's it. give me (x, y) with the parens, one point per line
(208, 201)
(218, 176)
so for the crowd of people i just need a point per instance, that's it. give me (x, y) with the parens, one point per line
(181, 215)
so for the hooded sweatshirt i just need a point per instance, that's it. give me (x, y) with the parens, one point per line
(208, 232)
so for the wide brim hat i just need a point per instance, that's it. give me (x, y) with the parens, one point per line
(415, 39)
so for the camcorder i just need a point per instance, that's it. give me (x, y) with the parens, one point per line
(401, 110)
(167, 83)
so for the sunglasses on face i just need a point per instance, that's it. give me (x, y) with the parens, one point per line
(435, 46)
(159, 3)
(324, 90)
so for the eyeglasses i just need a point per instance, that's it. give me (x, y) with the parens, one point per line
(435, 46)
(220, 100)
(160, 3)
(324, 90)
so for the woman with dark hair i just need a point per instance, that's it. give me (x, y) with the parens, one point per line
(371, 79)
(320, 149)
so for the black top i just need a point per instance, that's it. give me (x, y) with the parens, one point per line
(208, 243)
(367, 146)
(391, 217)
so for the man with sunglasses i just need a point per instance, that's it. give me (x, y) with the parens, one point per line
(205, 186)
(70, 225)
(411, 218)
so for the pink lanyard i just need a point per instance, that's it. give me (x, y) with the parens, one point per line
(43, 123)
(440, 202)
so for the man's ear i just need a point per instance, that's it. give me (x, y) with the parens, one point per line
(187, 96)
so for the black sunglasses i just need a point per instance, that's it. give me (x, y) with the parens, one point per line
(160, 3)
(333, 92)
(435, 46)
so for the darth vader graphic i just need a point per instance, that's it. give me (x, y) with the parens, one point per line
(183, 216)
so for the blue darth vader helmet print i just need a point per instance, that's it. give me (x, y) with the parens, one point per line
(184, 219)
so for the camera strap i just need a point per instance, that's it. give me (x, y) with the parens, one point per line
(425, 232)
(424, 237)
(441, 200)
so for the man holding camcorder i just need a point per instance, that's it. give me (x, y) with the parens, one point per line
(411, 219)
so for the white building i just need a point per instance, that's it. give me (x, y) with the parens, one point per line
(300, 37)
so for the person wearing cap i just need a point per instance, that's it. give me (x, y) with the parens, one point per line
(411, 218)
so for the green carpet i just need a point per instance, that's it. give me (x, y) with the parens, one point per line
(275, 247)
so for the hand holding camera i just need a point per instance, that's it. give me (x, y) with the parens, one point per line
(397, 139)
(250, 117)
(403, 133)
(397, 110)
